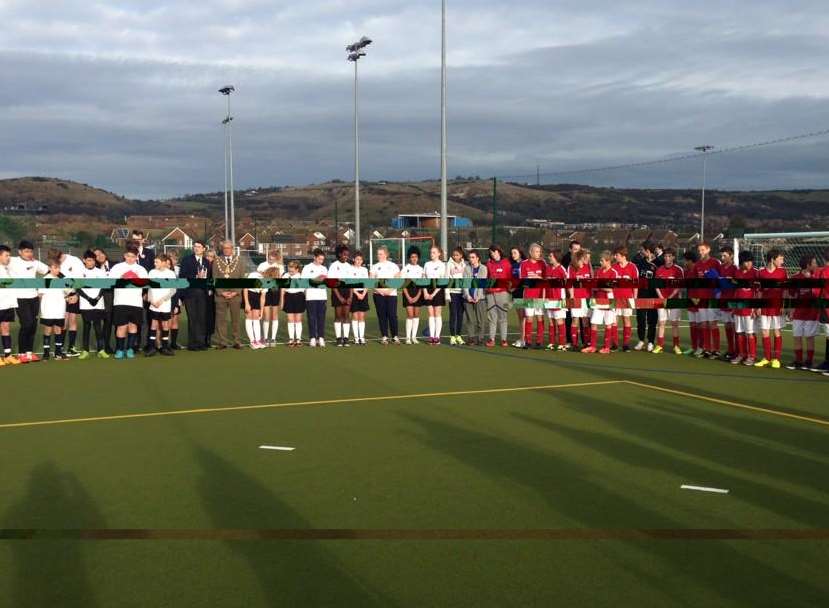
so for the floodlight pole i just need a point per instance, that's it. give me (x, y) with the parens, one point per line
(705, 150)
(227, 217)
(230, 212)
(444, 194)
(356, 158)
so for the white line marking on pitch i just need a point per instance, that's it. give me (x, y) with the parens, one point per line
(703, 489)
(276, 448)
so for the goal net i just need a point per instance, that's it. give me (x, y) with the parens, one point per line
(399, 247)
(793, 245)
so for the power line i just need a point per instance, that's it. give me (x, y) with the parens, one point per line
(671, 159)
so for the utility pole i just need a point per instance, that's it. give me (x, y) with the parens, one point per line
(704, 150)
(356, 51)
(494, 207)
(444, 189)
(230, 214)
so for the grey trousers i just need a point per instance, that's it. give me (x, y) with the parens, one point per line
(475, 319)
(498, 306)
(228, 310)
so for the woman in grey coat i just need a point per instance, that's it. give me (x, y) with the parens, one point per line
(474, 298)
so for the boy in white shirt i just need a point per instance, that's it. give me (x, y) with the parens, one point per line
(25, 266)
(128, 304)
(160, 300)
(8, 303)
(53, 313)
(315, 298)
(71, 268)
(92, 307)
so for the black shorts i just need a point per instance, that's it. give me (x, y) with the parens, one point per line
(127, 315)
(358, 305)
(93, 315)
(345, 293)
(294, 303)
(438, 300)
(7, 315)
(254, 300)
(74, 309)
(160, 316)
(272, 297)
(53, 322)
(413, 291)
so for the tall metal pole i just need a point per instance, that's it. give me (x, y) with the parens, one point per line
(444, 193)
(705, 150)
(230, 160)
(494, 207)
(227, 215)
(356, 160)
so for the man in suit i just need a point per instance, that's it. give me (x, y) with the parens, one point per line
(146, 255)
(228, 301)
(194, 267)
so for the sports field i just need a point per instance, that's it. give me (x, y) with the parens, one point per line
(420, 476)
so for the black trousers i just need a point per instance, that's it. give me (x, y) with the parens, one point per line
(456, 312)
(646, 325)
(27, 309)
(109, 295)
(196, 306)
(316, 318)
(386, 307)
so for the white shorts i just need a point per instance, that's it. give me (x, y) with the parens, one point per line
(805, 329)
(533, 312)
(629, 305)
(603, 317)
(557, 313)
(825, 329)
(672, 315)
(693, 316)
(768, 323)
(582, 312)
(744, 325)
(726, 316)
(708, 315)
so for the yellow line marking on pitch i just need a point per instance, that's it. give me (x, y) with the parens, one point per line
(241, 408)
(742, 406)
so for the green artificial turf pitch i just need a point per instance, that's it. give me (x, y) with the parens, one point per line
(563, 496)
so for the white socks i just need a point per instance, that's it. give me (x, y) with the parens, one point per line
(438, 327)
(338, 329)
(359, 328)
(346, 330)
(266, 329)
(411, 328)
(274, 329)
(296, 334)
(252, 328)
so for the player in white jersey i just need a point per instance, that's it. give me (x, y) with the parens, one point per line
(434, 297)
(455, 269)
(359, 300)
(341, 296)
(385, 298)
(25, 266)
(53, 312)
(292, 301)
(128, 304)
(160, 300)
(92, 307)
(253, 301)
(8, 304)
(412, 294)
(270, 313)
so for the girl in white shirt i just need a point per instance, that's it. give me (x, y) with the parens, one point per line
(385, 298)
(315, 297)
(412, 294)
(359, 301)
(292, 301)
(270, 313)
(341, 297)
(91, 303)
(455, 269)
(253, 301)
(434, 297)
(53, 313)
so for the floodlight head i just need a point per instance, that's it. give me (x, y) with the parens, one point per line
(227, 120)
(365, 41)
(362, 43)
(227, 90)
(356, 55)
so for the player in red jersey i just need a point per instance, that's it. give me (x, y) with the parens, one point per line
(555, 300)
(626, 294)
(771, 315)
(533, 268)
(669, 271)
(806, 315)
(726, 315)
(744, 312)
(580, 270)
(690, 258)
(707, 268)
(604, 313)
(823, 293)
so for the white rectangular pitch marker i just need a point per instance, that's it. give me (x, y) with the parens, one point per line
(276, 448)
(704, 489)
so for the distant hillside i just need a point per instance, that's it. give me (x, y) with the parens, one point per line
(381, 201)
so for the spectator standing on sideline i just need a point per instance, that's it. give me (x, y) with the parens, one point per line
(646, 318)
(474, 296)
(498, 299)
(196, 266)
(228, 265)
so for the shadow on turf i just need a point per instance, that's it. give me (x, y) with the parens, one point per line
(290, 573)
(577, 493)
(52, 573)
(655, 444)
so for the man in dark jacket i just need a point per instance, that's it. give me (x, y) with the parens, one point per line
(194, 267)
(646, 318)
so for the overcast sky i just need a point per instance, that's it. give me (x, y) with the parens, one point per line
(122, 95)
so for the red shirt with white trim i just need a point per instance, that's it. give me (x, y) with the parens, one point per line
(629, 272)
(672, 273)
(805, 309)
(773, 293)
(700, 271)
(559, 273)
(533, 269)
(584, 273)
(745, 292)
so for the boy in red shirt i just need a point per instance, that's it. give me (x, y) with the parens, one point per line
(806, 316)
(626, 294)
(823, 293)
(726, 315)
(745, 313)
(554, 300)
(669, 271)
(603, 311)
(533, 268)
(707, 268)
(771, 315)
(580, 270)
(690, 258)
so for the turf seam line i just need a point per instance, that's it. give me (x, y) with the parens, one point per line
(240, 408)
(364, 534)
(742, 406)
